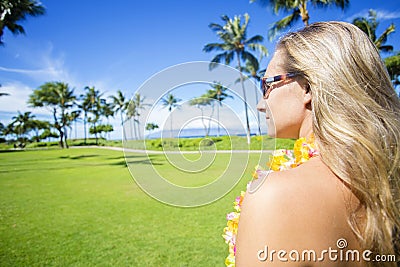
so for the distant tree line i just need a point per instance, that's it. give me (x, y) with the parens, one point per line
(66, 108)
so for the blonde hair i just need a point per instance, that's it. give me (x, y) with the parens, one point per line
(356, 122)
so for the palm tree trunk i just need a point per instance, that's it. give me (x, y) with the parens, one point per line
(84, 126)
(209, 120)
(219, 103)
(170, 129)
(258, 113)
(123, 128)
(245, 99)
(304, 12)
(58, 127)
(76, 129)
(66, 137)
(132, 127)
(95, 133)
(202, 121)
(138, 128)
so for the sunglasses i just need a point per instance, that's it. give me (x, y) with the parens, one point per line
(265, 83)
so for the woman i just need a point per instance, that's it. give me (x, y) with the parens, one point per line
(329, 85)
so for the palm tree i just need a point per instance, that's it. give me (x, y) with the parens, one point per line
(170, 102)
(200, 103)
(393, 66)
(22, 124)
(369, 26)
(139, 105)
(73, 117)
(13, 11)
(119, 104)
(36, 126)
(84, 106)
(93, 101)
(130, 115)
(297, 9)
(219, 94)
(234, 43)
(58, 97)
(252, 68)
(107, 112)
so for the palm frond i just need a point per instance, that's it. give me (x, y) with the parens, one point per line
(284, 5)
(255, 40)
(213, 47)
(247, 56)
(383, 38)
(217, 59)
(364, 25)
(225, 18)
(386, 48)
(243, 29)
(215, 27)
(342, 4)
(259, 48)
(283, 23)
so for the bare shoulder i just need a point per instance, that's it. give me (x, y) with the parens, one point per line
(302, 208)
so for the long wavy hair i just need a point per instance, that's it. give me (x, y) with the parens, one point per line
(356, 122)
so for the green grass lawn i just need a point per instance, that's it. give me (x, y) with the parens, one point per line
(81, 207)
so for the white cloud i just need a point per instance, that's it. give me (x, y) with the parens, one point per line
(381, 15)
(17, 99)
(385, 15)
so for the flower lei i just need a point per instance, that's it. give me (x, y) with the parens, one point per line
(280, 160)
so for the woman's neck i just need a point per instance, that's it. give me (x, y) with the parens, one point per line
(306, 128)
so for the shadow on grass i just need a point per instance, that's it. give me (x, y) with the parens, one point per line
(135, 159)
(10, 150)
(78, 157)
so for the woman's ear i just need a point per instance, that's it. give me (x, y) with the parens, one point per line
(307, 96)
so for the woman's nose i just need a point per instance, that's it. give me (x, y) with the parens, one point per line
(262, 105)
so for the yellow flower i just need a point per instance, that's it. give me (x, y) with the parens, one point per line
(277, 160)
(230, 260)
(304, 149)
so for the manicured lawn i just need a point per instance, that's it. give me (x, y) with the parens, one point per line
(81, 207)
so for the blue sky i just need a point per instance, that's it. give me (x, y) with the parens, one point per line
(118, 45)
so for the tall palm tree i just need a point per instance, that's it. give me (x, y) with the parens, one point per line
(130, 115)
(93, 100)
(170, 102)
(14, 11)
(235, 43)
(72, 118)
(107, 111)
(58, 97)
(201, 102)
(140, 105)
(84, 106)
(369, 26)
(297, 9)
(218, 93)
(252, 68)
(119, 104)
